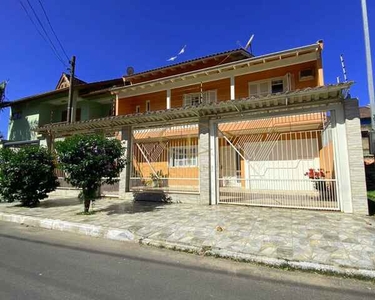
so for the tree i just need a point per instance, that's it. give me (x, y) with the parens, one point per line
(89, 161)
(26, 175)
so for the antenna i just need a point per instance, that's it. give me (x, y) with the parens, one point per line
(343, 67)
(248, 44)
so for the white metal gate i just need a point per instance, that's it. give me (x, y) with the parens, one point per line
(281, 161)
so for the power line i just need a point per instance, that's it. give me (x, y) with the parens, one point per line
(50, 44)
(53, 31)
(44, 30)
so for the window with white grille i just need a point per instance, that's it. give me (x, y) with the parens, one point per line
(184, 156)
(194, 99)
(264, 88)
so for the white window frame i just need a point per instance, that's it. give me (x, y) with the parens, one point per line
(138, 109)
(189, 159)
(269, 82)
(306, 78)
(202, 97)
(148, 105)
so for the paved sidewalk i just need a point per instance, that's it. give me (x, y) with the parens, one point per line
(328, 238)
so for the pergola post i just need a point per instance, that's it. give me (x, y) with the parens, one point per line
(126, 140)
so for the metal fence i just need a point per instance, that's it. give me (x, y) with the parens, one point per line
(285, 162)
(165, 158)
(105, 189)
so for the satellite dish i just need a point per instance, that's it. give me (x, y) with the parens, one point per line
(130, 71)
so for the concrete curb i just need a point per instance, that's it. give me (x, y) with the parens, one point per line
(125, 235)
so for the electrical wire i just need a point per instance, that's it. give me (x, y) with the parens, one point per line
(44, 30)
(50, 44)
(53, 31)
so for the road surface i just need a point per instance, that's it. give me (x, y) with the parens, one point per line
(42, 264)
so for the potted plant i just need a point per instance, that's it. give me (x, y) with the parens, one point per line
(318, 176)
(157, 178)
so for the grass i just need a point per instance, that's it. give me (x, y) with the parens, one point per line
(86, 213)
(371, 195)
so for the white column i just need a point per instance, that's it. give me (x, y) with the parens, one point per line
(214, 158)
(232, 88)
(168, 98)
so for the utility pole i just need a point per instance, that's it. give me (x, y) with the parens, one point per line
(71, 109)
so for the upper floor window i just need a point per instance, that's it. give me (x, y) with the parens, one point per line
(263, 88)
(193, 99)
(148, 105)
(306, 74)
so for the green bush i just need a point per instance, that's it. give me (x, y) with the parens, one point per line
(89, 161)
(26, 175)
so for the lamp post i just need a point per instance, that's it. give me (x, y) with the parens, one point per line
(370, 79)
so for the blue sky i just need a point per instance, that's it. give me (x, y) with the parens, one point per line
(107, 36)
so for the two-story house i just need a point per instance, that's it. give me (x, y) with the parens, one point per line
(92, 100)
(234, 128)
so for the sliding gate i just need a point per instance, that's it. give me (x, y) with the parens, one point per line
(281, 162)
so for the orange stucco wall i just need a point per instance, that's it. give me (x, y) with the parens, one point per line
(158, 99)
(128, 105)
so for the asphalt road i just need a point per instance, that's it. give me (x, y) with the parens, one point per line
(42, 264)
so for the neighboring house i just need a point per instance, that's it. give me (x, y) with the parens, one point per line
(92, 100)
(365, 115)
(234, 128)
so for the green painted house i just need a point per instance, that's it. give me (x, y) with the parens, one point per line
(92, 100)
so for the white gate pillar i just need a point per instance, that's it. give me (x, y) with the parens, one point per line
(349, 155)
(356, 162)
(126, 141)
(204, 155)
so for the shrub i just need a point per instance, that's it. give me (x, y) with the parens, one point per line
(26, 175)
(89, 161)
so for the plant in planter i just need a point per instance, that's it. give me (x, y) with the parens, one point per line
(89, 161)
(157, 178)
(318, 175)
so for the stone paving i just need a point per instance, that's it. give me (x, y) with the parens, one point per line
(300, 235)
